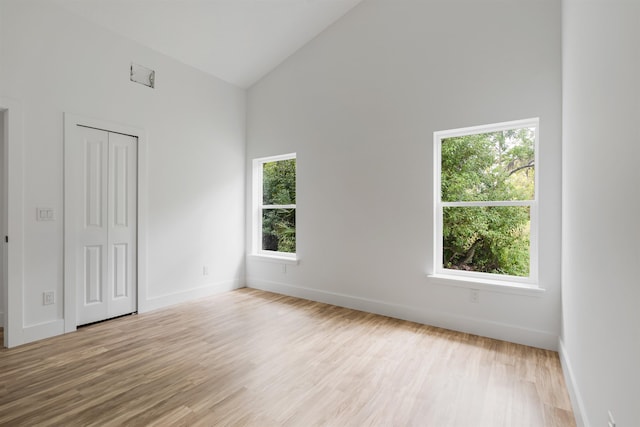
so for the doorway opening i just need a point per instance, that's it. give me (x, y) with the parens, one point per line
(4, 283)
(11, 211)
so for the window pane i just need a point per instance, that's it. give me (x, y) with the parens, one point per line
(279, 230)
(494, 166)
(487, 239)
(279, 182)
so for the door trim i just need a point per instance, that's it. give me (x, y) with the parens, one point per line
(70, 300)
(14, 170)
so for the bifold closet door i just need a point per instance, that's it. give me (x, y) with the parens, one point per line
(104, 197)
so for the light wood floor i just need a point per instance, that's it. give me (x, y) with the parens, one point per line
(251, 358)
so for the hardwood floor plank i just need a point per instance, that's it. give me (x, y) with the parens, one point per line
(253, 358)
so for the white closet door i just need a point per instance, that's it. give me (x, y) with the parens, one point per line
(104, 199)
(121, 238)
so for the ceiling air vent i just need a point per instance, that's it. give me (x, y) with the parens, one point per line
(143, 75)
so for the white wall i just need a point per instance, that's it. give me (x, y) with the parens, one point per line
(359, 105)
(601, 209)
(54, 62)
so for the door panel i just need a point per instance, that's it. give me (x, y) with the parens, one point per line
(120, 163)
(94, 170)
(104, 196)
(90, 191)
(93, 267)
(122, 223)
(120, 288)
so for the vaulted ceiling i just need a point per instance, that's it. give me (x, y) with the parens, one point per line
(238, 41)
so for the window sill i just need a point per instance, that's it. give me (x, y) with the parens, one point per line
(273, 258)
(486, 284)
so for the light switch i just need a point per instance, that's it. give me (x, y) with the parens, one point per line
(44, 214)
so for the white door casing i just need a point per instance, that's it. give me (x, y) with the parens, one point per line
(102, 240)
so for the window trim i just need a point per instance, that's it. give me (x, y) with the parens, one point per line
(438, 269)
(258, 207)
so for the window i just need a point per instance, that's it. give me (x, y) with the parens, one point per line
(274, 201)
(486, 202)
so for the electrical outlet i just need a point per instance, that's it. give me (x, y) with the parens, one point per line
(205, 270)
(48, 298)
(474, 296)
(612, 422)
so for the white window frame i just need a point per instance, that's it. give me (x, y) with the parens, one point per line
(480, 277)
(258, 207)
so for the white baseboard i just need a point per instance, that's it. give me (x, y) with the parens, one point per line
(572, 387)
(472, 325)
(167, 300)
(42, 331)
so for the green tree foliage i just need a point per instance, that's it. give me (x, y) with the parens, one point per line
(496, 166)
(279, 188)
